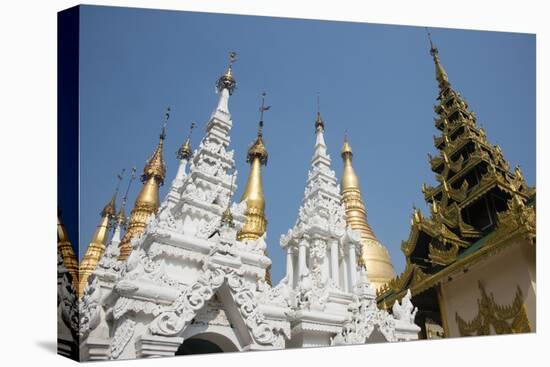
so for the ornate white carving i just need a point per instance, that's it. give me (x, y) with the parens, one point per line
(123, 333)
(405, 311)
(89, 307)
(67, 299)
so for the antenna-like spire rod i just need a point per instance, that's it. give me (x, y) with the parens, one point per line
(132, 177)
(263, 108)
(433, 49)
(119, 176)
(164, 123)
(193, 125)
(318, 102)
(232, 58)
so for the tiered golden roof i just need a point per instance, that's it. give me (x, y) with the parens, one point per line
(148, 200)
(477, 204)
(66, 251)
(374, 256)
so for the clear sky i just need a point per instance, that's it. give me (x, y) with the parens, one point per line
(375, 81)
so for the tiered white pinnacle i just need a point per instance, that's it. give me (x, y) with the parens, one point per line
(187, 263)
(321, 254)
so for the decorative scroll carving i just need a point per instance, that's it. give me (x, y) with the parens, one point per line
(123, 333)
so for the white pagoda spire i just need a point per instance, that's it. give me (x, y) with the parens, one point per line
(318, 244)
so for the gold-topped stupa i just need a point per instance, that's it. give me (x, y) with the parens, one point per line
(374, 256)
(96, 248)
(256, 221)
(66, 250)
(148, 200)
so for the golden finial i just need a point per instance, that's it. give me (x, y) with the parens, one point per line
(258, 148)
(156, 167)
(346, 148)
(433, 49)
(441, 75)
(185, 151)
(121, 216)
(319, 123)
(227, 81)
(110, 209)
(148, 200)
(350, 181)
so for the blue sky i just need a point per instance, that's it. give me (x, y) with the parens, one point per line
(375, 81)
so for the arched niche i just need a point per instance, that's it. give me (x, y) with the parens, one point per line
(206, 343)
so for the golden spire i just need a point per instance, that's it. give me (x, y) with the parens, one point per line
(95, 249)
(253, 194)
(440, 73)
(66, 250)
(148, 200)
(185, 151)
(227, 81)
(374, 256)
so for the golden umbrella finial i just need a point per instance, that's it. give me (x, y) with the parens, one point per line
(258, 148)
(226, 81)
(110, 209)
(185, 151)
(156, 167)
(440, 73)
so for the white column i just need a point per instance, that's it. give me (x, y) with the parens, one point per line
(302, 266)
(289, 267)
(334, 262)
(352, 266)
